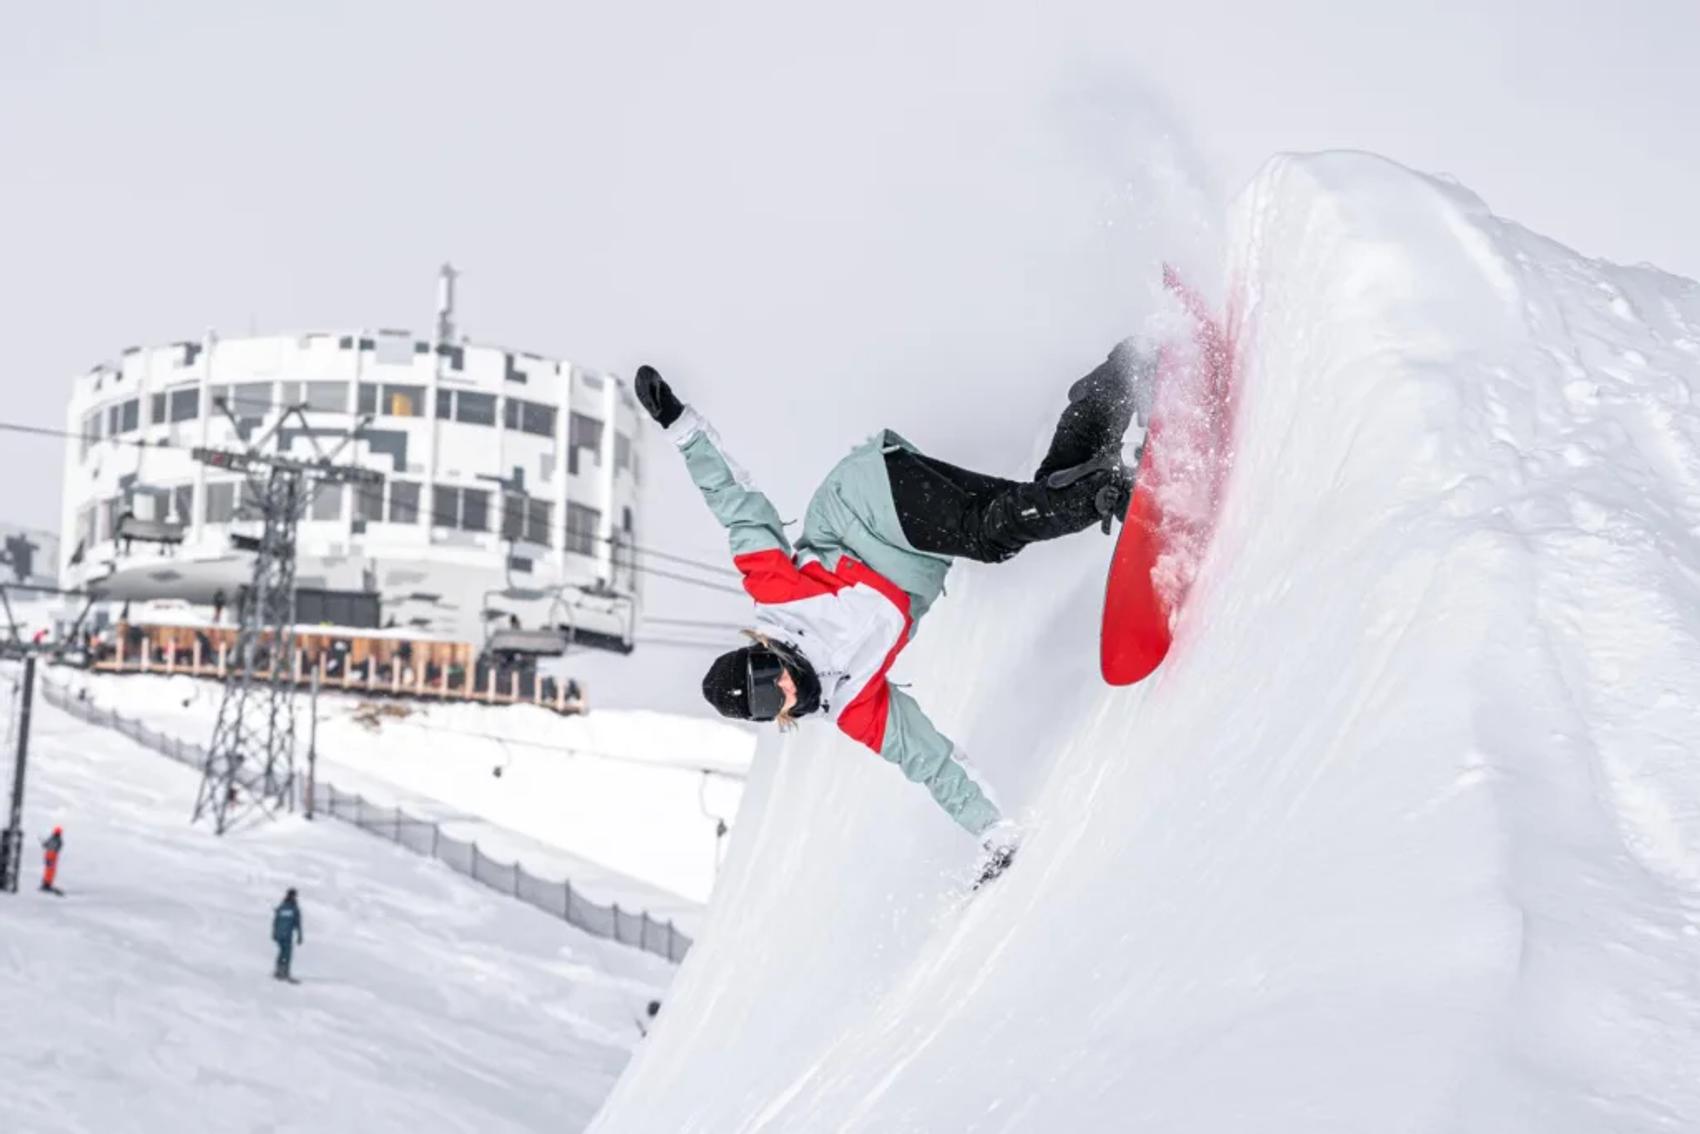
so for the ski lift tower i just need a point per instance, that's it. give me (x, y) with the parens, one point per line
(250, 765)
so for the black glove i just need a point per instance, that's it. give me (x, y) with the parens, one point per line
(657, 397)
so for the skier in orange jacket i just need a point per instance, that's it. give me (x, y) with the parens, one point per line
(50, 847)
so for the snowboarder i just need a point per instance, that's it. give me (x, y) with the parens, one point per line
(50, 848)
(286, 931)
(879, 536)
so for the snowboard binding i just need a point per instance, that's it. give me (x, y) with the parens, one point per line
(1114, 491)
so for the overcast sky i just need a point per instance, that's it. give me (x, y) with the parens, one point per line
(817, 220)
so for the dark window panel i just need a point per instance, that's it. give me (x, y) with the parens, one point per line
(475, 510)
(582, 523)
(327, 503)
(537, 419)
(404, 502)
(369, 502)
(475, 408)
(221, 502)
(445, 506)
(185, 404)
(537, 517)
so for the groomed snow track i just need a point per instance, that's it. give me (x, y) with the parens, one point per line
(1405, 834)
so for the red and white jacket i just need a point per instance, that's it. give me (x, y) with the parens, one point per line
(849, 621)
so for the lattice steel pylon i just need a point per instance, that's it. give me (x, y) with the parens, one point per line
(250, 764)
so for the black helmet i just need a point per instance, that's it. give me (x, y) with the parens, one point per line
(744, 683)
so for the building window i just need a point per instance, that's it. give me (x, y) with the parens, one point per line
(404, 502)
(526, 518)
(110, 510)
(317, 397)
(392, 400)
(622, 452)
(250, 501)
(582, 525)
(156, 409)
(528, 417)
(185, 403)
(583, 433)
(130, 417)
(445, 506)
(183, 504)
(221, 502)
(466, 406)
(474, 408)
(247, 402)
(113, 413)
(402, 401)
(369, 501)
(475, 509)
(327, 503)
(467, 509)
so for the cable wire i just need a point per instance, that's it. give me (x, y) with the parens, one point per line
(443, 519)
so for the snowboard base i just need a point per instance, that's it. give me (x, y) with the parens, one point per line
(1139, 613)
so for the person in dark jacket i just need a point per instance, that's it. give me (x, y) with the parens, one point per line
(286, 931)
(50, 848)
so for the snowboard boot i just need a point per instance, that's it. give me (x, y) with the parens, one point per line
(1035, 511)
(1100, 408)
(1110, 482)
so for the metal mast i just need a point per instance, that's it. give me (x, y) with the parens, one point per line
(250, 765)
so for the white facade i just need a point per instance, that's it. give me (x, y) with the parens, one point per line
(444, 544)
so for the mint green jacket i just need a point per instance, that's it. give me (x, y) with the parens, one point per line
(848, 598)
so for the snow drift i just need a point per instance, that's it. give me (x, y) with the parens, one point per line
(1404, 835)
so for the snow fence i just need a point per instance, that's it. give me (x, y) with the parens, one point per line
(422, 836)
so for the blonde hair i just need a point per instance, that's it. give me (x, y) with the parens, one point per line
(784, 720)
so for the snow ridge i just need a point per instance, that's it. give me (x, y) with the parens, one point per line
(1404, 835)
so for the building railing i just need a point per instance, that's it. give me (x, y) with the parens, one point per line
(422, 836)
(374, 666)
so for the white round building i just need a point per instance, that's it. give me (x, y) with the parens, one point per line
(509, 493)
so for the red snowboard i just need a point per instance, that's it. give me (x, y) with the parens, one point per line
(1175, 495)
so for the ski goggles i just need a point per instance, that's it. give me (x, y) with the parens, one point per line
(761, 683)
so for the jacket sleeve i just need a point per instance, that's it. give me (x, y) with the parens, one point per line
(750, 519)
(300, 927)
(925, 755)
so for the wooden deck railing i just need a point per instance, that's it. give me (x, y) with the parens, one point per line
(393, 676)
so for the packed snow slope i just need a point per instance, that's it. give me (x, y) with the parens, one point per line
(142, 1001)
(633, 794)
(1405, 833)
